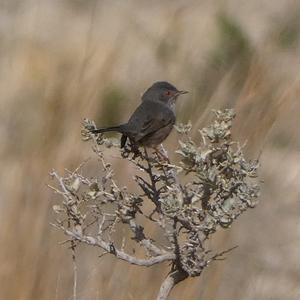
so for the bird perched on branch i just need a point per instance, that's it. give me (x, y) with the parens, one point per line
(153, 120)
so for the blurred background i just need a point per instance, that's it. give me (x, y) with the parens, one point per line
(63, 60)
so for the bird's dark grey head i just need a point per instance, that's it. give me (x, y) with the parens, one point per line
(162, 91)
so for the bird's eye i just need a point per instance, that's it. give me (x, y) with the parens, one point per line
(167, 93)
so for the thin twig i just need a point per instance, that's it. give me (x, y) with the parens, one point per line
(74, 271)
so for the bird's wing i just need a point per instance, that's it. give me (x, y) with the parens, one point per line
(150, 117)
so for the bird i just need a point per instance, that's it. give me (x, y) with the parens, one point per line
(153, 120)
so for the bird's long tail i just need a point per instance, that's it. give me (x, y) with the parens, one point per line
(105, 129)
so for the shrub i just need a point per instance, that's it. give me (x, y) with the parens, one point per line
(211, 185)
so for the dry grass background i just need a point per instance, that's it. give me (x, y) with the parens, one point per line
(61, 61)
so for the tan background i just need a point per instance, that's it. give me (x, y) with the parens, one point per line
(63, 60)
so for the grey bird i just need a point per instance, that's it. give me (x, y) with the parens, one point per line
(153, 120)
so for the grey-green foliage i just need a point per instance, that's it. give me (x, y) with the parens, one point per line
(223, 180)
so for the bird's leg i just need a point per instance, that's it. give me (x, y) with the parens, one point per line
(162, 153)
(135, 149)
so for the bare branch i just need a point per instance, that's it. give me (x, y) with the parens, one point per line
(168, 284)
(118, 253)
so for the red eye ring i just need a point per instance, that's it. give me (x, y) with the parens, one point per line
(168, 93)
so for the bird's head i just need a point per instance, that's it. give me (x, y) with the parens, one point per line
(162, 91)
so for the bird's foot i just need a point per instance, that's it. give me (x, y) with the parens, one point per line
(162, 154)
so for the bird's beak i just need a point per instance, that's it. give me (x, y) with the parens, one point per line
(181, 93)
